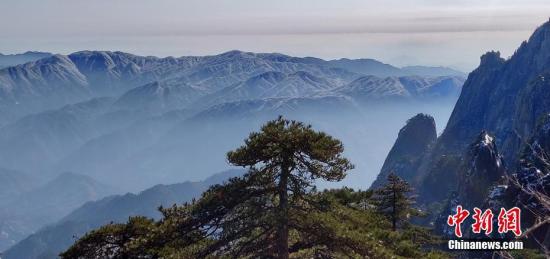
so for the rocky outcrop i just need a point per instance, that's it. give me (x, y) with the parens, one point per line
(414, 139)
(508, 99)
(467, 120)
(480, 176)
(482, 168)
(529, 187)
(504, 97)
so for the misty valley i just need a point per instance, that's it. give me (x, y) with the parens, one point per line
(107, 154)
(108, 123)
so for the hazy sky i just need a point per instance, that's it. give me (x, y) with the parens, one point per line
(426, 32)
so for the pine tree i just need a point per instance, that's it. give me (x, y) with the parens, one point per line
(394, 200)
(291, 155)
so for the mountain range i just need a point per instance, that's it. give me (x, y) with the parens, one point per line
(57, 80)
(59, 108)
(131, 121)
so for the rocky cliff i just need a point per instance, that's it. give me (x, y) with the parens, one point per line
(504, 97)
(507, 167)
(413, 141)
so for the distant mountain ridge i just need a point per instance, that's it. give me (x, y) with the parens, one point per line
(10, 60)
(139, 88)
(377, 68)
(45, 204)
(48, 242)
(14, 183)
(56, 80)
(376, 88)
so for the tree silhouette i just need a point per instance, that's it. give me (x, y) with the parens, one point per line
(394, 200)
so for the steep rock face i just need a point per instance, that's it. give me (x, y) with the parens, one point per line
(504, 97)
(533, 101)
(510, 99)
(414, 139)
(529, 187)
(468, 116)
(479, 174)
(483, 166)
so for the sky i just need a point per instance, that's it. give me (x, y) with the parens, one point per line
(405, 32)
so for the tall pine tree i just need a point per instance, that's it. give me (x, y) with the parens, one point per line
(292, 156)
(394, 200)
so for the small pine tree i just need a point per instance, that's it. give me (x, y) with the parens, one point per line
(394, 200)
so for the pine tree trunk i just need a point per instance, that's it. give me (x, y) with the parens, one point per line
(282, 231)
(394, 212)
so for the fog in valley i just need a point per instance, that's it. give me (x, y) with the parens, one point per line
(81, 127)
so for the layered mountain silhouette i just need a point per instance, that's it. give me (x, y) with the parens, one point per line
(48, 242)
(14, 183)
(375, 67)
(57, 80)
(76, 101)
(17, 59)
(133, 121)
(45, 204)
